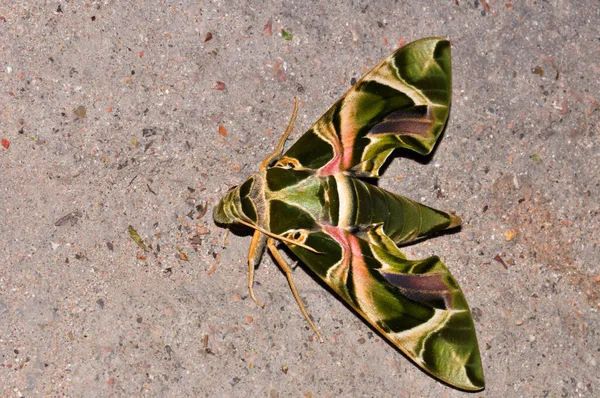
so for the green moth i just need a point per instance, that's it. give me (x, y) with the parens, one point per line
(312, 199)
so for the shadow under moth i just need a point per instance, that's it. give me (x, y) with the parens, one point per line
(313, 198)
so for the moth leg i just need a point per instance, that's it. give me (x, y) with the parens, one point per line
(271, 243)
(225, 237)
(279, 150)
(257, 247)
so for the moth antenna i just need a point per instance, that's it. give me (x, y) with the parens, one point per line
(278, 237)
(279, 150)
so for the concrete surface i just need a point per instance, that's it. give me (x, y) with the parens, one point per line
(111, 113)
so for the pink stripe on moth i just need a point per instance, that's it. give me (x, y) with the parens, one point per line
(343, 158)
(343, 148)
(340, 235)
(348, 132)
(353, 257)
(331, 168)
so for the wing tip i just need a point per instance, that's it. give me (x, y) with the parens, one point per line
(455, 221)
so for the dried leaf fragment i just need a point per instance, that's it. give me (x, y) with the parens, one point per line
(268, 29)
(80, 112)
(220, 86)
(137, 238)
(509, 234)
(208, 37)
(486, 6)
(183, 256)
(500, 260)
(222, 130)
(202, 230)
(195, 241)
(5, 143)
(212, 269)
(286, 35)
(70, 218)
(201, 209)
(536, 158)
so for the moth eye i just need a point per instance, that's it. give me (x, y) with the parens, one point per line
(297, 235)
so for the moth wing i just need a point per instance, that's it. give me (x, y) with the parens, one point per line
(401, 103)
(416, 304)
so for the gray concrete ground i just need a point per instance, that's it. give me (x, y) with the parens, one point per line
(144, 113)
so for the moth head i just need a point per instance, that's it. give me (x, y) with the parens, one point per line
(237, 205)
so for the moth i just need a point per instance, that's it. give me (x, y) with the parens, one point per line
(314, 199)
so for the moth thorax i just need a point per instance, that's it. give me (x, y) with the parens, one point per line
(256, 198)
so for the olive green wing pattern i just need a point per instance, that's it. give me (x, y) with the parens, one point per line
(347, 230)
(401, 103)
(416, 304)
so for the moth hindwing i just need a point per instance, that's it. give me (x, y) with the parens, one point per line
(312, 199)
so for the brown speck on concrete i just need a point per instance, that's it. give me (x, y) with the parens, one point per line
(498, 258)
(80, 112)
(268, 28)
(71, 218)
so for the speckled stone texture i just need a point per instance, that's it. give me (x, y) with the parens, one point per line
(117, 114)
